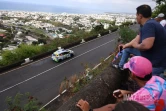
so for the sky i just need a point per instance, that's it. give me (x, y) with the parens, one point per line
(126, 6)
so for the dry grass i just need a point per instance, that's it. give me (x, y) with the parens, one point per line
(73, 79)
(75, 82)
(64, 85)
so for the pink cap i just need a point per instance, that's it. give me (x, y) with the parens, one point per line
(140, 66)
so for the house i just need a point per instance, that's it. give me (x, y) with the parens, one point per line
(1, 30)
(10, 47)
(106, 26)
(30, 40)
(60, 35)
(2, 36)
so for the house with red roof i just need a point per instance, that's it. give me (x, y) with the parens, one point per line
(2, 36)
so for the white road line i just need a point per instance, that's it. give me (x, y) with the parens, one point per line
(49, 56)
(52, 100)
(54, 67)
(49, 102)
(64, 91)
(96, 66)
(108, 57)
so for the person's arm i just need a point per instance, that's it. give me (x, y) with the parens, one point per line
(84, 106)
(130, 44)
(122, 93)
(147, 36)
(145, 45)
(109, 107)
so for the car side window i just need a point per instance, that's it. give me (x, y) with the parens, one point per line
(66, 53)
(61, 54)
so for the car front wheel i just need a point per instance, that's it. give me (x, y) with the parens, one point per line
(72, 55)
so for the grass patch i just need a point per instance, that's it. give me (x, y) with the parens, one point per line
(75, 83)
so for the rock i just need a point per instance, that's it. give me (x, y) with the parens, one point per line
(98, 92)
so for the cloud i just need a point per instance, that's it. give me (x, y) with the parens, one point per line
(111, 1)
(110, 5)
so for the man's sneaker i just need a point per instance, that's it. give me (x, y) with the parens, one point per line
(117, 67)
(121, 68)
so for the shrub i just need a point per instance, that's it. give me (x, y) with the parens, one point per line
(27, 51)
(24, 51)
(127, 34)
(22, 102)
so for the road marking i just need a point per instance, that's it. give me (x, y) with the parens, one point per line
(54, 67)
(96, 66)
(49, 102)
(52, 100)
(108, 57)
(49, 56)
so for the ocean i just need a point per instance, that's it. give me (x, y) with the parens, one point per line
(37, 8)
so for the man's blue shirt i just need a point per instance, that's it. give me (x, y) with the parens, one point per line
(157, 54)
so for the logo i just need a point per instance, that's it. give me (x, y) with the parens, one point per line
(160, 105)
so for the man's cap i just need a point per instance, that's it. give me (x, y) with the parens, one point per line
(139, 66)
(161, 15)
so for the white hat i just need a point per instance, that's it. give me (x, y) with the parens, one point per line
(161, 15)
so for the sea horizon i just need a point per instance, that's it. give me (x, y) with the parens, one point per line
(15, 6)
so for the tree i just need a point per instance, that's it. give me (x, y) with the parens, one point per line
(76, 18)
(80, 25)
(98, 29)
(92, 19)
(113, 22)
(42, 40)
(18, 104)
(160, 8)
(159, 1)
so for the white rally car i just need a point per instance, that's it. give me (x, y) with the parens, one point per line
(62, 54)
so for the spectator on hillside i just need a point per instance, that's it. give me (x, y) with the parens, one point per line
(149, 43)
(160, 18)
(152, 93)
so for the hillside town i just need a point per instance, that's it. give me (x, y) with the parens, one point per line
(18, 27)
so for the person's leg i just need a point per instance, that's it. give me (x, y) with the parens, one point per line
(126, 54)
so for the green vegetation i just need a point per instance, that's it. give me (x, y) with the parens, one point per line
(76, 18)
(75, 83)
(26, 51)
(22, 102)
(160, 8)
(107, 21)
(98, 29)
(35, 31)
(127, 34)
(92, 19)
(126, 23)
(57, 24)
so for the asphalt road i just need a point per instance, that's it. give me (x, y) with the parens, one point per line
(42, 78)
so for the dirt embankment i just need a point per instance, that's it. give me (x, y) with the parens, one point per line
(98, 92)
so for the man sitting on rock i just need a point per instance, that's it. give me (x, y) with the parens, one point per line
(152, 92)
(150, 43)
(161, 20)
